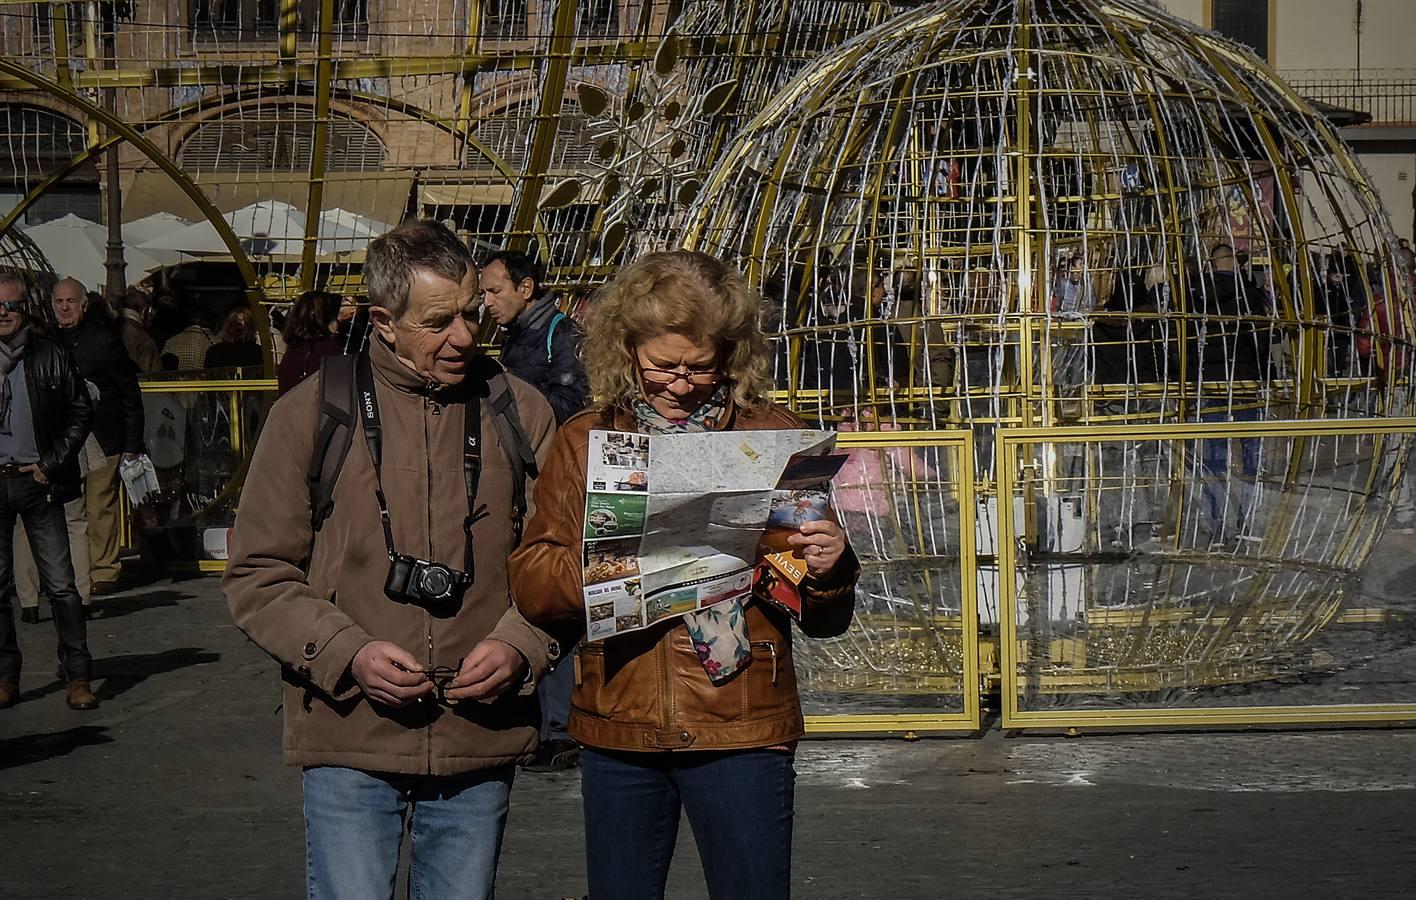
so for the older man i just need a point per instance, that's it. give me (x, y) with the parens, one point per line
(44, 418)
(408, 672)
(117, 427)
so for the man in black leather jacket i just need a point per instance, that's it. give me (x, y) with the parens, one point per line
(44, 418)
(117, 420)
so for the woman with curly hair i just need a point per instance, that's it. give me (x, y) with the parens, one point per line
(699, 713)
(309, 334)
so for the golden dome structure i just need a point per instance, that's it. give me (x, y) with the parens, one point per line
(1070, 215)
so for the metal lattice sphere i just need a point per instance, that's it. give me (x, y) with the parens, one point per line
(19, 256)
(1042, 213)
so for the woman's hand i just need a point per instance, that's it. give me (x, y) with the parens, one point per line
(821, 542)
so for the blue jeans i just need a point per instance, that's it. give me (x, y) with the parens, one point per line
(48, 533)
(554, 693)
(739, 804)
(1221, 489)
(354, 825)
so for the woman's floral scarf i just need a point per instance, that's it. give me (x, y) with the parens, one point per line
(719, 632)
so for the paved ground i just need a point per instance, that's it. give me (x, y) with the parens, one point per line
(175, 789)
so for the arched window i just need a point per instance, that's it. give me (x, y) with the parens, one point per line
(34, 142)
(276, 138)
(508, 133)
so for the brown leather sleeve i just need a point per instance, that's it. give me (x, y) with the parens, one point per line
(546, 570)
(828, 603)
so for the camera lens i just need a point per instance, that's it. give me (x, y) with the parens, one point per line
(436, 583)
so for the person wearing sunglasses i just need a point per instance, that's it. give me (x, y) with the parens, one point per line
(699, 714)
(45, 413)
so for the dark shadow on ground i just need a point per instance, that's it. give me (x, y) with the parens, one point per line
(119, 673)
(33, 748)
(117, 605)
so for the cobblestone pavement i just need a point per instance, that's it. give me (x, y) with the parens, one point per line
(174, 788)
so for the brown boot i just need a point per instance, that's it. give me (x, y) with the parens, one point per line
(9, 694)
(79, 696)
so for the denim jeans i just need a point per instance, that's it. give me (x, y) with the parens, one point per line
(355, 821)
(554, 693)
(49, 541)
(739, 805)
(1222, 491)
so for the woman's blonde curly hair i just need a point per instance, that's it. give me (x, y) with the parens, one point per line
(676, 292)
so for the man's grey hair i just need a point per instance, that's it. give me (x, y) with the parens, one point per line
(392, 259)
(12, 278)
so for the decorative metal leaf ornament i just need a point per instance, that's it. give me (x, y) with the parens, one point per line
(667, 56)
(592, 100)
(688, 191)
(719, 96)
(563, 194)
(613, 242)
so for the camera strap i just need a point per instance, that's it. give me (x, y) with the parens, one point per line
(368, 403)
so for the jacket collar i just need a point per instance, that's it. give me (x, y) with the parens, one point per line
(623, 419)
(537, 314)
(391, 370)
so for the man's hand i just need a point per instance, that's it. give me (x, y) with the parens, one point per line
(821, 542)
(492, 668)
(389, 674)
(36, 473)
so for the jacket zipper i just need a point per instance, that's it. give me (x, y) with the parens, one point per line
(772, 651)
(427, 616)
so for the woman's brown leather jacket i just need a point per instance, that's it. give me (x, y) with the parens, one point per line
(646, 690)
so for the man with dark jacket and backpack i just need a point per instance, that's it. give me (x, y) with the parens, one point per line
(44, 417)
(369, 559)
(542, 346)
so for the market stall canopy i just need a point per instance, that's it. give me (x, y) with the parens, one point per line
(265, 228)
(274, 228)
(78, 247)
(381, 195)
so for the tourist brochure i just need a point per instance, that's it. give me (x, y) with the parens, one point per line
(673, 522)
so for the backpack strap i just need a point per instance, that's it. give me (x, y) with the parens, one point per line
(334, 433)
(551, 332)
(517, 446)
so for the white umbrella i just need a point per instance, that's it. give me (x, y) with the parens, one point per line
(266, 227)
(152, 227)
(78, 247)
(342, 231)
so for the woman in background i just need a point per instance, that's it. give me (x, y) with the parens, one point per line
(309, 337)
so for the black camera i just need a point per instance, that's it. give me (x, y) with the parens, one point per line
(430, 585)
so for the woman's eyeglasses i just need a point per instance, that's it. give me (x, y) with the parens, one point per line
(666, 377)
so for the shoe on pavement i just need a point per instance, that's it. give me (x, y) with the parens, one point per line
(9, 694)
(554, 756)
(104, 588)
(29, 615)
(79, 696)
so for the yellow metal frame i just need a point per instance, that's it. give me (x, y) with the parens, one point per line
(1011, 446)
(960, 447)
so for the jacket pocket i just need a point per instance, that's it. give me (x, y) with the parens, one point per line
(612, 686)
(770, 682)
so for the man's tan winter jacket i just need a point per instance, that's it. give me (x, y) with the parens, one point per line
(312, 601)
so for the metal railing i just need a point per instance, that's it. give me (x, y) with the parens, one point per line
(1387, 95)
